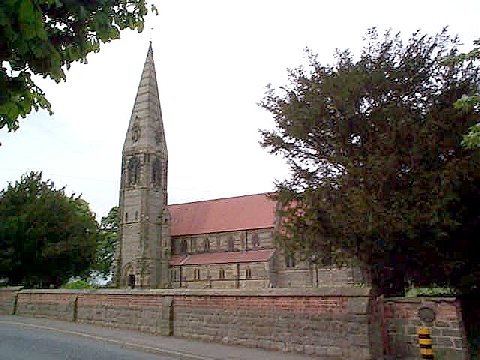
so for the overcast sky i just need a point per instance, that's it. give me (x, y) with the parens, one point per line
(213, 61)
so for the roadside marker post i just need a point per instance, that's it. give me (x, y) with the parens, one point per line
(425, 342)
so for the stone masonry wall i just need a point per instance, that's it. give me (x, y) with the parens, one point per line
(210, 276)
(8, 300)
(329, 323)
(143, 312)
(47, 303)
(401, 322)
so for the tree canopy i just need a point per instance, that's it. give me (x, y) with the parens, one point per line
(43, 37)
(45, 236)
(378, 172)
(468, 101)
(107, 242)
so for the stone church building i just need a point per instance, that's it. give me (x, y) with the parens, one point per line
(220, 243)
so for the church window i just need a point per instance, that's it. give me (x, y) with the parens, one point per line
(175, 274)
(231, 243)
(248, 273)
(126, 217)
(136, 215)
(196, 274)
(219, 245)
(133, 171)
(221, 274)
(255, 241)
(290, 260)
(206, 245)
(183, 246)
(156, 172)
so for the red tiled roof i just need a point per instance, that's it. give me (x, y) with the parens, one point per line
(223, 257)
(231, 214)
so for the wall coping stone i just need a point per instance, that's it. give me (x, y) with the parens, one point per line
(321, 291)
(421, 299)
(11, 288)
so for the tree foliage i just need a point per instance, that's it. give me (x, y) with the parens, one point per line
(43, 37)
(378, 173)
(469, 101)
(107, 242)
(45, 236)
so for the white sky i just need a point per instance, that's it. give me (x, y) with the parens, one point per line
(213, 61)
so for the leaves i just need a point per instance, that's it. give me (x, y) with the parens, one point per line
(45, 236)
(43, 37)
(378, 173)
(107, 242)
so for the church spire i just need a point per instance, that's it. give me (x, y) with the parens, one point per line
(144, 248)
(146, 112)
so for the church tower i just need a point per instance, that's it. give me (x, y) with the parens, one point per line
(143, 252)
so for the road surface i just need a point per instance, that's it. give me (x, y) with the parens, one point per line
(18, 342)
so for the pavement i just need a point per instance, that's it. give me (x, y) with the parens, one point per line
(162, 345)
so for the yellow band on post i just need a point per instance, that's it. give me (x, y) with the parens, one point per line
(426, 351)
(425, 342)
(423, 331)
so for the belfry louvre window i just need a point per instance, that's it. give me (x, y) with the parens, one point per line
(133, 171)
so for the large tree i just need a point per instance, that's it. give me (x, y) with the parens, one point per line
(469, 101)
(107, 242)
(378, 172)
(43, 37)
(45, 236)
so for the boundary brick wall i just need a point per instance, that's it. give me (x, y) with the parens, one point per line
(401, 321)
(144, 312)
(329, 323)
(52, 304)
(8, 299)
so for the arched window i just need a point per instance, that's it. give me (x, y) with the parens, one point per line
(174, 275)
(157, 172)
(248, 273)
(136, 215)
(221, 274)
(231, 243)
(196, 274)
(133, 171)
(126, 217)
(206, 245)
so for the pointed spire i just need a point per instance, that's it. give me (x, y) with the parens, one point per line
(146, 126)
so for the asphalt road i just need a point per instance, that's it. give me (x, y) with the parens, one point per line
(20, 343)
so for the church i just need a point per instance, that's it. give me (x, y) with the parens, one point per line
(219, 243)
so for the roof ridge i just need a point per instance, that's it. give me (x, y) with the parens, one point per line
(224, 198)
